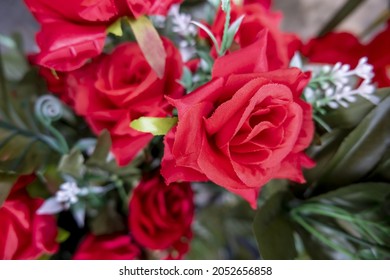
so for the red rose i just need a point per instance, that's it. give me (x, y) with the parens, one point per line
(241, 130)
(111, 247)
(160, 216)
(280, 47)
(265, 3)
(115, 89)
(24, 234)
(334, 47)
(73, 31)
(346, 48)
(153, 7)
(379, 56)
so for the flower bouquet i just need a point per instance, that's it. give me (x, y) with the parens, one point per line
(192, 130)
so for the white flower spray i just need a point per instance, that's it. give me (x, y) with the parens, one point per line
(340, 85)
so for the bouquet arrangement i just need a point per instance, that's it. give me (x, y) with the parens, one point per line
(170, 130)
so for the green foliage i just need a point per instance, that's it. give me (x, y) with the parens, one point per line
(72, 164)
(355, 150)
(6, 183)
(344, 211)
(352, 221)
(108, 220)
(346, 118)
(24, 142)
(271, 221)
(223, 227)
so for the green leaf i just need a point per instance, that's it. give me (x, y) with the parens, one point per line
(208, 32)
(355, 197)
(38, 188)
(355, 113)
(361, 150)
(186, 78)
(155, 126)
(322, 153)
(102, 149)
(62, 235)
(350, 220)
(231, 33)
(150, 43)
(24, 146)
(6, 183)
(116, 28)
(21, 151)
(209, 61)
(108, 220)
(72, 164)
(273, 231)
(14, 61)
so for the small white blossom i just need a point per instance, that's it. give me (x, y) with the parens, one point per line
(182, 23)
(158, 21)
(364, 70)
(68, 194)
(340, 85)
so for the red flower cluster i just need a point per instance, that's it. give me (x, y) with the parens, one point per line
(74, 31)
(115, 89)
(24, 234)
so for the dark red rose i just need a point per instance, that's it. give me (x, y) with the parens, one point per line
(379, 56)
(73, 31)
(334, 47)
(280, 46)
(115, 89)
(160, 216)
(107, 247)
(243, 128)
(25, 235)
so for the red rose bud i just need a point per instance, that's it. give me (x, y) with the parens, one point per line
(25, 235)
(115, 89)
(107, 247)
(160, 216)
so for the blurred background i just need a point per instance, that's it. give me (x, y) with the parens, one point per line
(305, 17)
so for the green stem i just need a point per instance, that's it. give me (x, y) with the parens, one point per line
(320, 79)
(322, 123)
(225, 30)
